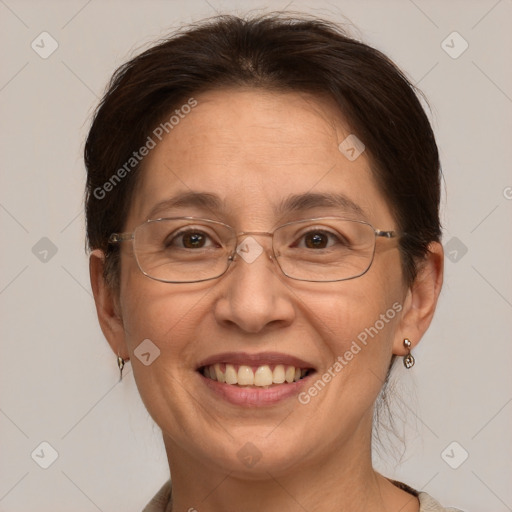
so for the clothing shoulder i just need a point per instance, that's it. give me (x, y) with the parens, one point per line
(161, 501)
(429, 504)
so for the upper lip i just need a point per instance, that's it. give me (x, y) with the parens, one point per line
(270, 358)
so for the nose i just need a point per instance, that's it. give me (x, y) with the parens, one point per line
(252, 294)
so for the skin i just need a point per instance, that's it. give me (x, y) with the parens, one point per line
(253, 148)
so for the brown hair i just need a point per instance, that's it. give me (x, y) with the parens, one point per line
(281, 53)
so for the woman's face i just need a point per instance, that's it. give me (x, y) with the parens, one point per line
(254, 150)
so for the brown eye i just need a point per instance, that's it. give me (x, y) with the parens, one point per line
(189, 239)
(193, 240)
(316, 240)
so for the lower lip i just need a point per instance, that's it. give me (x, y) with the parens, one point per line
(254, 396)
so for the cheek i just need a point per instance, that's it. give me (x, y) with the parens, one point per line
(357, 329)
(359, 320)
(169, 320)
(166, 314)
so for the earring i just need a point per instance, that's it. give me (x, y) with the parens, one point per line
(408, 359)
(120, 363)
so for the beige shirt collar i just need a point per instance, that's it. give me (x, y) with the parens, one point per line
(161, 502)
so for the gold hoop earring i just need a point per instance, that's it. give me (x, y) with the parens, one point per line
(408, 359)
(120, 363)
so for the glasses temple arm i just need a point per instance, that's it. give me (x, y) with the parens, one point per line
(115, 238)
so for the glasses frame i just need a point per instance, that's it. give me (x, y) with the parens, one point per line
(117, 238)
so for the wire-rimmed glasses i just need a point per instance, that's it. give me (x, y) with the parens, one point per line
(192, 249)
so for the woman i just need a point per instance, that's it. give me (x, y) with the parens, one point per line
(262, 210)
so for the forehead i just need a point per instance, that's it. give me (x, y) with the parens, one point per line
(256, 151)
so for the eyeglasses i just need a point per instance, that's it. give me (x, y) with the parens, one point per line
(190, 249)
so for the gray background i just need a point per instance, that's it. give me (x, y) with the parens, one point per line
(58, 376)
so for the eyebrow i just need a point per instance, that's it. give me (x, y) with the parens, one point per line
(202, 200)
(291, 204)
(308, 201)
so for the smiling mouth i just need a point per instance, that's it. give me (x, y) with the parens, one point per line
(263, 376)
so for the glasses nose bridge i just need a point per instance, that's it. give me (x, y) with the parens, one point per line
(241, 236)
(255, 233)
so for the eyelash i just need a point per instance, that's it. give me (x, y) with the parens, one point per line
(302, 236)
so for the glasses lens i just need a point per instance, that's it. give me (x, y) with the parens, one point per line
(183, 250)
(324, 249)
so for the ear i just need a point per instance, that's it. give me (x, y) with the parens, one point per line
(421, 299)
(107, 305)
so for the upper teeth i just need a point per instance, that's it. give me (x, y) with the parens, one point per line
(244, 375)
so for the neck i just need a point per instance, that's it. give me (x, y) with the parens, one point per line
(341, 479)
